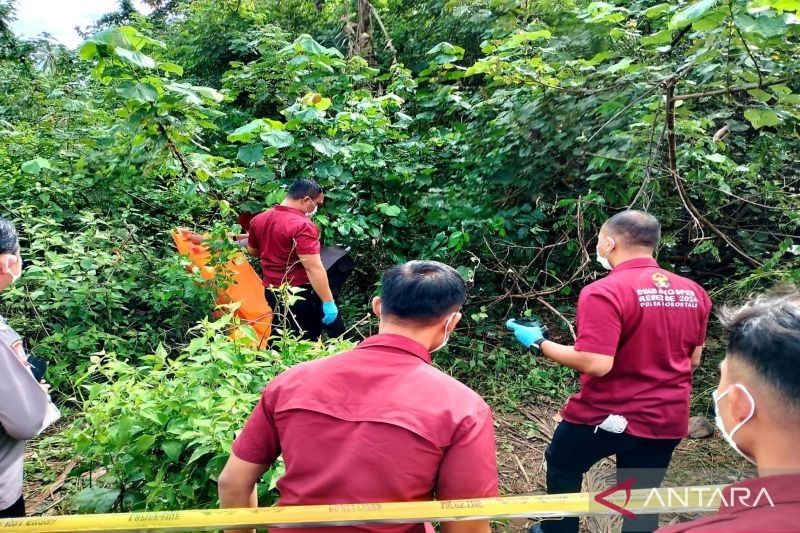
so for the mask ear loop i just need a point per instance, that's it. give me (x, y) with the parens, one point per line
(613, 245)
(752, 408)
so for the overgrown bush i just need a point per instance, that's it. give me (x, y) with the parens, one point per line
(162, 427)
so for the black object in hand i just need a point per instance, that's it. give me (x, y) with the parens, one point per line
(38, 367)
(533, 323)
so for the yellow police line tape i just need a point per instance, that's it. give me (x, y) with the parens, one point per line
(642, 501)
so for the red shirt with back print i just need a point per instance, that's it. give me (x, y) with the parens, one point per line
(650, 321)
(280, 235)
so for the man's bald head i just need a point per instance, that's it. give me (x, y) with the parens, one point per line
(633, 229)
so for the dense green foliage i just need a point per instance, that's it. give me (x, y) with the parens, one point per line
(493, 135)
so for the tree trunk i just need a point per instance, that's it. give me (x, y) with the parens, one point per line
(362, 44)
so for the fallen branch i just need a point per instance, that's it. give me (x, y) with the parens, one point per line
(56, 485)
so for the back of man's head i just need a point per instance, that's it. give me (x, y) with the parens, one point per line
(8, 237)
(634, 229)
(421, 292)
(303, 188)
(765, 344)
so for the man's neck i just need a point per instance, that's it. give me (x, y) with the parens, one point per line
(421, 335)
(782, 456)
(628, 255)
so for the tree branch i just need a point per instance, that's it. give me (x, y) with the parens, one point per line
(698, 217)
(389, 44)
(729, 90)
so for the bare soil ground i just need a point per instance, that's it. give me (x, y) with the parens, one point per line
(524, 434)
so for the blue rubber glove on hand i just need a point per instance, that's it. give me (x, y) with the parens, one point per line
(330, 312)
(526, 335)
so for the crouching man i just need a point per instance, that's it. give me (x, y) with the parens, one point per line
(377, 423)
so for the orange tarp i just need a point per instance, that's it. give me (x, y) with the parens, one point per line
(245, 287)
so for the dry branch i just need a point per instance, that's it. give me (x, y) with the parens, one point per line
(698, 217)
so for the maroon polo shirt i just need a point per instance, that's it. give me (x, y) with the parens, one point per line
(374, 424)
(769, 504)
(281, 234)
(650, 320)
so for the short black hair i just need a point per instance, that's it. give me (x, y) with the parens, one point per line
(9, 242)
(764, 333)
(636, 228)
(304, 187)
(421, 291)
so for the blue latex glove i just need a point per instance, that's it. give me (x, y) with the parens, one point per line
(526, 335)
(330, 312)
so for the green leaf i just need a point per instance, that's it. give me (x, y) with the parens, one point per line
(143, 92)
(690, 14)
(209, 93)
(764, 26)
(135, 58)
(516, 40)
(760, 118)
(661, 37)
(172, 449)
(250, 154)
(325, 147)
(35, 165)
(172, 68)
(716, 158)
(143, 443)
(261, 175)
(247, 132)
(88, 50)
(389, 210)
(445, 52)
(198, 453)
(656, 10)
(306, 43)
(96, 499)
(760, 95)
(622, 64)
(277, 138)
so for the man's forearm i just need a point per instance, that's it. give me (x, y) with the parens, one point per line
(237, 498)
(319, 281)
(467, 526)
(587, 363)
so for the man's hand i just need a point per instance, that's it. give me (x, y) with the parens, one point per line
(330, 312)
(526, 335)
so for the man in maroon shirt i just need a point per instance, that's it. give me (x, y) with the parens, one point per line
(640, 335)
(377, 423)
(758, 412)
(287, 242)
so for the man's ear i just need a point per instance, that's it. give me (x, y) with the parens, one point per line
(5, 263)
(740, 404)
(376, 306)
(454, 322)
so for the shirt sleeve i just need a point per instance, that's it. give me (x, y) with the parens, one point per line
(469, 466)
(254, 235)
(707, 305)
(23, 402)
(307, 239)
(258, 442)
(599, 322)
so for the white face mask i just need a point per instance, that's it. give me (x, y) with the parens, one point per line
(721, 425)
(313, 212)
(446, 333)
(603, 259)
